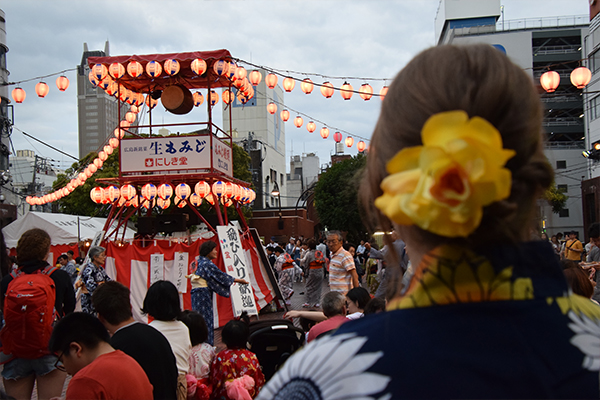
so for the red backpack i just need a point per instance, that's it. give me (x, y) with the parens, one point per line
(29, 314)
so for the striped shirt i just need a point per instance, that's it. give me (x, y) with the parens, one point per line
(340, 279)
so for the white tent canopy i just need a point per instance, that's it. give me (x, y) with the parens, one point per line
(62, 228)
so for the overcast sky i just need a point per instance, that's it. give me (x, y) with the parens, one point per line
(343, 38)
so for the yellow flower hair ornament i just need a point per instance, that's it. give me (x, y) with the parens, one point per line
(443, 185)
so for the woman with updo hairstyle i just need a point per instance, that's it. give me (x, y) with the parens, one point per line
(456, 167)
(92, 276)
(207, 280)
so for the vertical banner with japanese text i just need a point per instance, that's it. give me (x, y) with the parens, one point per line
(157, 267)
(234, 258)
(180, 268)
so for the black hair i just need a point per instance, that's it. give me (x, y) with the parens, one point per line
(79, 327)
(62, 257)
(196, 325)
(111, 302)
(359, 295)
(162, 301)
(374, 306)
(207, 247)
(278, 249)
(594, 230)
(235, 333)
(79, 260)
(71, 252)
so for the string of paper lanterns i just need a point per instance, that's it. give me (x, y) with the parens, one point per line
(580, 77)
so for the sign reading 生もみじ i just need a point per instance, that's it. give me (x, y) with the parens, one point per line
(174, 153)
(242, 297)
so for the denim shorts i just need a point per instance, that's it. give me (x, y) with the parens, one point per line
(23, 367)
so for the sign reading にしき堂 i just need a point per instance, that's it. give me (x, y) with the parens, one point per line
(236, 265)
(175, 153)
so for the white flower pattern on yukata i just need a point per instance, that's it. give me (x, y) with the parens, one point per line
(587, 339)
(329, 368)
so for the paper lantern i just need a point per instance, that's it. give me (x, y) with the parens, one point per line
(98, 163)
(180, 202)
(289, 84)
(307, 86)
(92, 168)
(324, 132)
(210, 198)
(18, 95)
(135, 109)
(218, 188)
(119, 133)
(227, 96)
(183, 191)
(100, 71)
(226, 202)
(327, 90)
(202, 189)
(311, 127)
(349, 141)
(228, 193)
(150, 102)
(92, 79)
(272, 108)
(195, 200)
(221, 67)
(255, 77)
(112, 193)
(231, 71)
(236, 191)
(346, 91)
(112, 89)
(41, 89)
(108, 149)
(580, 77)
(383, 92)
(163, 203)
(153, 69)
(361, 146)
(198, 99)
(366, 92)
(337, 137)
(149, 192)
(298, 121)
(550, 81)
(240, 73)
(116, 70)
(102, 155)
(214, 97)
(97, 194)
(124, 94)
(87, 173)
(171, 67)
(165, 191)
(271, 81)
(128, 192)
(135, 69)
(130, 117)
(62, 83)
(105, 83)
(285, 115)
(198, 66)
(147, 204)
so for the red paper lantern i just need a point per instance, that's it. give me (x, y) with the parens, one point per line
(580, 77)
(165, 191)
(198, 66)
(361, 146)
(100, 71)
(183, 191)
(289, 84)
(271, 81)
(198, 99)
(108, 149)
(255, 77)
(134, 69)
(62, 83)
(337, 137)
(311, 127)
(128, 192)
(221, 67)
(130, 117)
(112, 88)
(116, 70)
(346, 91)
(240, 73)
(298, 121)
(366, 92)
(228, 193)
(307, 86)
(383, 92)
(324, 132)
(149, 192)
(218, 188)
(112, 142)
(119, 133)
(18, 95)
(195, 200)
(153, 69)
(97, 194)
(171, 67)
(285, 115)
(327, 90)
(92, 168)
(550, 81)
(202, 189)
(349, 141)
(41, 89)
(272, 108)
(98, 163)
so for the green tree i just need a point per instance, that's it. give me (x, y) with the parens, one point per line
(336, 198)
(556, 198)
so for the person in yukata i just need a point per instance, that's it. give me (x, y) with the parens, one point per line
(286, 268)
(209, 279)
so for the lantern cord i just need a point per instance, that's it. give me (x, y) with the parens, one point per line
(313, 119)
(37, 77)
(46, 144)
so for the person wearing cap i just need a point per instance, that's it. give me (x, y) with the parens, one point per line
(92, 276)
(573, 247)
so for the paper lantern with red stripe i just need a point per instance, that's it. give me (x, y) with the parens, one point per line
(165, 191)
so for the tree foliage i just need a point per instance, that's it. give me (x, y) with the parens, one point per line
(336, 198)
(556, 198)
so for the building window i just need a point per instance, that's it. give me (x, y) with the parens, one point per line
(562, 188)
(561, 164)
(92, 134)
(594, 108)
(92, 107)
(564, 213)
(92, 127)
(92, 121)
(594, 61)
